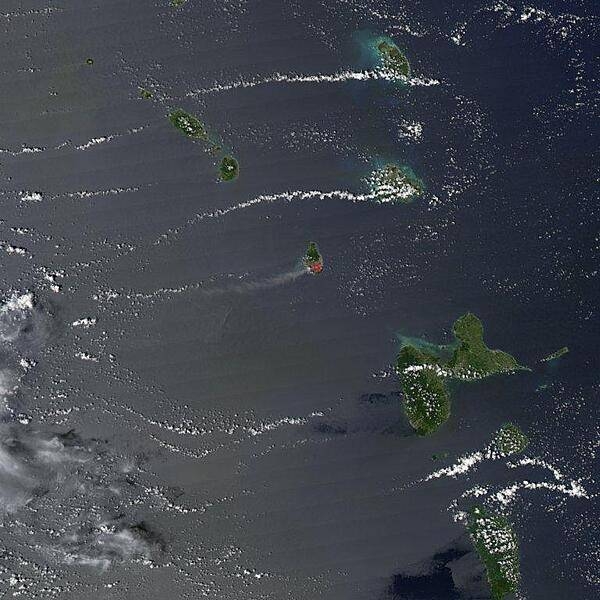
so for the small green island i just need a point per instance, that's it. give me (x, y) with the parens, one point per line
(145, 93)
(498, 548)
(510, 439)
(188, 124)
(313, 259)
(229, 168)
(394, 183)
(440, 455)
(424, 368)
(393, 58)
(192, 127)
(560, 352)
(177, 3)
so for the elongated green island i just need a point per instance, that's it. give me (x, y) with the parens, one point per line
(426, 399)
(394, 183)
(560, 352)
(427, 403)
(424, 368)
(393, 58)
(188, 124)
(313, 259)
(497, 545)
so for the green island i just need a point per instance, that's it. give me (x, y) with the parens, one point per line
(426, 399)
(188, 124)
(473, 359)
(313, 259)
(440, 455)
(423, 369)
(560, 352)
(178, 2)
(394, 183)
(393, 58)
(192, 127)
(145, 93)
(229, 168)
(510, 439)
(498, 548)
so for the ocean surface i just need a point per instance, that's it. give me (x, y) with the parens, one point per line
(186, 412)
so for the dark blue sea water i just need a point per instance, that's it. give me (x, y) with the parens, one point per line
(245, 425)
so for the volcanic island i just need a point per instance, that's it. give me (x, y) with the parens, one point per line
(393, 58)
(229, 168)
(313, 259)
(192, 127)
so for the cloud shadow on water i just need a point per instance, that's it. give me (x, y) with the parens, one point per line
(374, 413)
(452, 573)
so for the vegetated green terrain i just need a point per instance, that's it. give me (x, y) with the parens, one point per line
(473, 359)
(312, 254)
(145, 93)
(188, 124)
(194, 128)
(440, 455)
(410, 356)
(426, 400)
(229, 168)
(560, 352)
(498, 547)
(393, 58)
(395, 183)
(510, 439)
(423, 370)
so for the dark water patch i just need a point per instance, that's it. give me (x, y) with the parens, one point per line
(375, 413)
(437, 585)
(453, 573)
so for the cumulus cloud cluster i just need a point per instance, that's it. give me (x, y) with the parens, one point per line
(72, 495)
